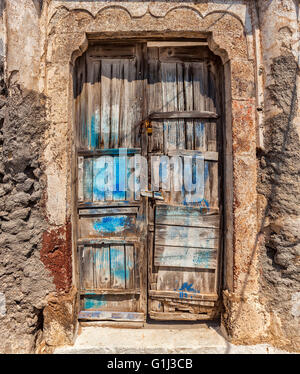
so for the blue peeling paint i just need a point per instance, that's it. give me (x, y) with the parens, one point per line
(95, 302)
(111, 224)
(203, 257)
(94, 136)
(117, 264)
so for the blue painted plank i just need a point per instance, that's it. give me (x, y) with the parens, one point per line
(117, 266)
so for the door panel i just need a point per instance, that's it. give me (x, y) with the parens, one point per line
(186, 236)
(111, 212)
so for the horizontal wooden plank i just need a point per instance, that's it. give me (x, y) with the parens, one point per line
(186, 114)
(115, 241)
(202, 42)
(113, 324)
(177, 316)
(183, 236)
(208, 156)
(105, 315)
(204, 211)
(111, 291)
(185, 216)
(108, 225)
(185, 257)
(107, 211)
(185, 295)
(107, 152)
(112, 204)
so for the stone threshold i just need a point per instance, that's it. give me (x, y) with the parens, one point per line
(198, 338)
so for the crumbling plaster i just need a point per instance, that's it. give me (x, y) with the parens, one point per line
(42, 43)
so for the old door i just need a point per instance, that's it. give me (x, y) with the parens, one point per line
(111, 232)
(156, 110)
(184, 218)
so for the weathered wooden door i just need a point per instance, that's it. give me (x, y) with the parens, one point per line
(184, 222)
(109, 92)
(153, 110)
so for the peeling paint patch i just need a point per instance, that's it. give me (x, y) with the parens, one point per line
(56, 255)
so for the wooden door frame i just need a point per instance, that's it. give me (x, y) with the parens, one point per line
(175, 38)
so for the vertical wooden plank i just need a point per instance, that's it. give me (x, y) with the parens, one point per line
(95, 105)
(106, 72)
(188, 89)
(129, 267)
(180, 106)
(169, 91)
(119, 176)
(87, 268)
(117, 266)
(80, 179)
(125, 109)
(88, 179)
(117, 70)
(83, 104)
(102, 268)
(103, 178)
(199, 103)
(155, 142)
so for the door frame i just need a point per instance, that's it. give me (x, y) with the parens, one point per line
(191, 41)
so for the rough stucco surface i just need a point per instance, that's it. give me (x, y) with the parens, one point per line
(23, 278)
(40, 39)
(279, 171)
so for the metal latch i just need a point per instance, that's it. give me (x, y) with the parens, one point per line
(152, 195)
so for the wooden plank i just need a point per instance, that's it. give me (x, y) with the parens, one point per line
(179, 114)
(185, 216)
(104, 241)
(156, 141)
(182, 236)
(177, 316)
(115, 102)
(106, 315)
(103, 204)
(117, 266)
(86, 268)
(189, 105)
(113, 324)
(109, 151)
(169, 98)
(106, 75)
(185, 257)
(129, 267)
(107, 211)
(115, 50)
(186, 295)
(198, 95)
(88, 179)
(101, 268)
(119, 177)
(208, 156)
(184, 53)
(111, 291)
(80, 179)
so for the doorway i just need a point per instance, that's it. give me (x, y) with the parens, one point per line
(149, 138)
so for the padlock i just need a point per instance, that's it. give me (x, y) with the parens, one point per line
(148, 126)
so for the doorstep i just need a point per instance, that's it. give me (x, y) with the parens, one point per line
(157, 339)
